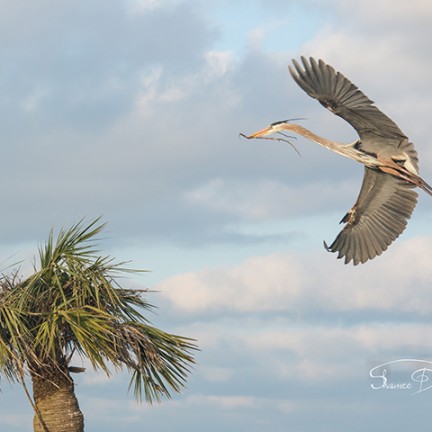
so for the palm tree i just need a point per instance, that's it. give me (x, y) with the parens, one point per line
(73, 307)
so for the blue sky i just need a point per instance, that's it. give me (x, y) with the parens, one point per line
(132, 110)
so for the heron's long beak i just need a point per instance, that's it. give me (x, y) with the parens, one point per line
(263, 132)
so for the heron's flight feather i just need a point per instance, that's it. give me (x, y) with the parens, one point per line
(378, 217)
(343, 98)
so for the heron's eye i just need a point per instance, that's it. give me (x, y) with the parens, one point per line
(400, 162)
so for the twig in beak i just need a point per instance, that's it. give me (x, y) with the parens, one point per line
(276, 139)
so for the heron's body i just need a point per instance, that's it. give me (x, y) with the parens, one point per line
(387, 199)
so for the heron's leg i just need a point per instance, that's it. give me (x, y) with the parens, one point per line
(391, 167)
(410, 177)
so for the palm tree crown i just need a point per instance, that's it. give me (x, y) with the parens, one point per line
(73, 305)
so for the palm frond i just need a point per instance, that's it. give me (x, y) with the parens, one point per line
(157, 360)
(74, 303)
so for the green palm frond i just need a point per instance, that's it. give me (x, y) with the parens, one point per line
(158, 360)
(73, 303)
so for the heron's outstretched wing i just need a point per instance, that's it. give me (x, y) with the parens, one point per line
(377, 218)
(320, 81)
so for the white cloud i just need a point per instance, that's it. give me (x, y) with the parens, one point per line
(255, 285)
(35, 98)
(297, 353)
(378, 45)
(156, 91)
(219, 63)
(257, 36)
(144, 6)
(265, 199)
(286, 282)
(159, 89)
(225, 402)
(216, 374)
(378, 13)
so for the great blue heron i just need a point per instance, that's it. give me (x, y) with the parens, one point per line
(387, 199)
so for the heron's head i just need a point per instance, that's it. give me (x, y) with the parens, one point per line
(276, 127)
(271, 129)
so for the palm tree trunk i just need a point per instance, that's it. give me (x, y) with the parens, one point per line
(56, 405)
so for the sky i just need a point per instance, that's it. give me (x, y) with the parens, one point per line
(131, 110)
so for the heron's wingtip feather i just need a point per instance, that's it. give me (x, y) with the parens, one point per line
(326, 246)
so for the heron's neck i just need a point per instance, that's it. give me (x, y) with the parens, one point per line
(347, 150)
(331, 145)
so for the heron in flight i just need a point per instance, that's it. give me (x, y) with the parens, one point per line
(387, 197)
